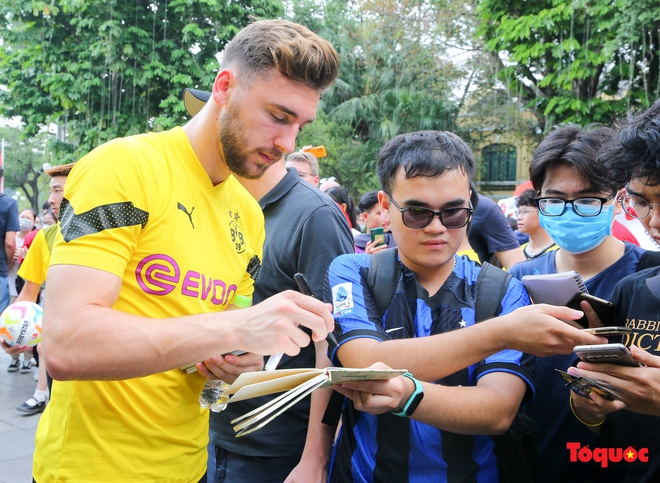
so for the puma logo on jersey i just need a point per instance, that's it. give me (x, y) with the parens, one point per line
(185, 210)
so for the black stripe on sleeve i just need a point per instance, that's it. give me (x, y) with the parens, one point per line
(515, 369)
(96, 220)
(340, 337)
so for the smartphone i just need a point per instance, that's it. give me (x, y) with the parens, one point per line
(317, 151)
(614, 335)
(378, 235)
(583, 386)
(609, 353)
(603, 308)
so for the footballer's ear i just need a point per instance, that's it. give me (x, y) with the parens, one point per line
(224, 82)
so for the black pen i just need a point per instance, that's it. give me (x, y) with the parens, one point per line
(303, 286)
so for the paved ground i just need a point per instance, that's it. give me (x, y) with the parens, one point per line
(16, 431)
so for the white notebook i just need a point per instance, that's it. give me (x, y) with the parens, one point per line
(554, 288)
(297, 383)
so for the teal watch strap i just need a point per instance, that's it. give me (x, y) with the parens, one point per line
(415, 398)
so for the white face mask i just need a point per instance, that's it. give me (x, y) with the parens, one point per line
(26, 224)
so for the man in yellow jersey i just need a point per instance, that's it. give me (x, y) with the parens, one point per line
(157, 238)
(33, 271)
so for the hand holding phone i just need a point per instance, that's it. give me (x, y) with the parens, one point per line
(377, 235)
(603, 308)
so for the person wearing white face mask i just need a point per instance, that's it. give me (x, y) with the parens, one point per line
(26, 224)
(577, 203)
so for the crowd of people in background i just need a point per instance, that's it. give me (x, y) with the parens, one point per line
(424, 273)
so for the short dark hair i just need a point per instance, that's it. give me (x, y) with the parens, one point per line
(368, 201)
(59, 170)
(294, 50)
(50, 213)
(34, 213)
(526, 198)
(341, 196)
(635, 152)
(571, 145)
(423, 153)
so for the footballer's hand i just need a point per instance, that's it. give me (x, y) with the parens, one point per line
(274, 325)
(228, 367)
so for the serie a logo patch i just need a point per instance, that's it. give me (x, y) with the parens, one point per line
(342, 298)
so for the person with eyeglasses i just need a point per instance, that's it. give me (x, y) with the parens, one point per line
(577, 202)
(306, 165)
(631, 158)
(539, 242)
(466, 380)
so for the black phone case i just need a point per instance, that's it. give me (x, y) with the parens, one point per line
(603, 310)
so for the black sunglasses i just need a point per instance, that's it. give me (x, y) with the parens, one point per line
(418, 217)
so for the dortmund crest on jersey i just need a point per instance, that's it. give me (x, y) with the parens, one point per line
(237, 237)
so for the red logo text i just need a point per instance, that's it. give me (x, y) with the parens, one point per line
(604, 456)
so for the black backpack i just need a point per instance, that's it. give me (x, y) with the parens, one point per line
(516, 450)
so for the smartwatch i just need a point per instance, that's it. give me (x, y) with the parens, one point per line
(415, 398)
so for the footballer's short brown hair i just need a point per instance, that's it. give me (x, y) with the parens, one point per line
(294, 50)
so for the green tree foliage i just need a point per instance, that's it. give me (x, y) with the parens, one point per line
(107, 68)
(351, 161)
(580, 61)
(394, 79)
(24, 159)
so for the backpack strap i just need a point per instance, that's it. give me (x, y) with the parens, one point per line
(383, 277)
(489, 299)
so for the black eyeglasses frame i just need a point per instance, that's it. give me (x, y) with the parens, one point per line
(540, 199)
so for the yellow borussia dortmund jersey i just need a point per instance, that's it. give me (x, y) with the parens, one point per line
(144, 209)
(37, 259)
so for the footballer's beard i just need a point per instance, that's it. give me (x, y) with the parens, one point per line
(230, 133)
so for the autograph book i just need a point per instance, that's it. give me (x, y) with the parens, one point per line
(295, 385)
(554, 288)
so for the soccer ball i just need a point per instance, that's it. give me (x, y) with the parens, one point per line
(20, 324)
